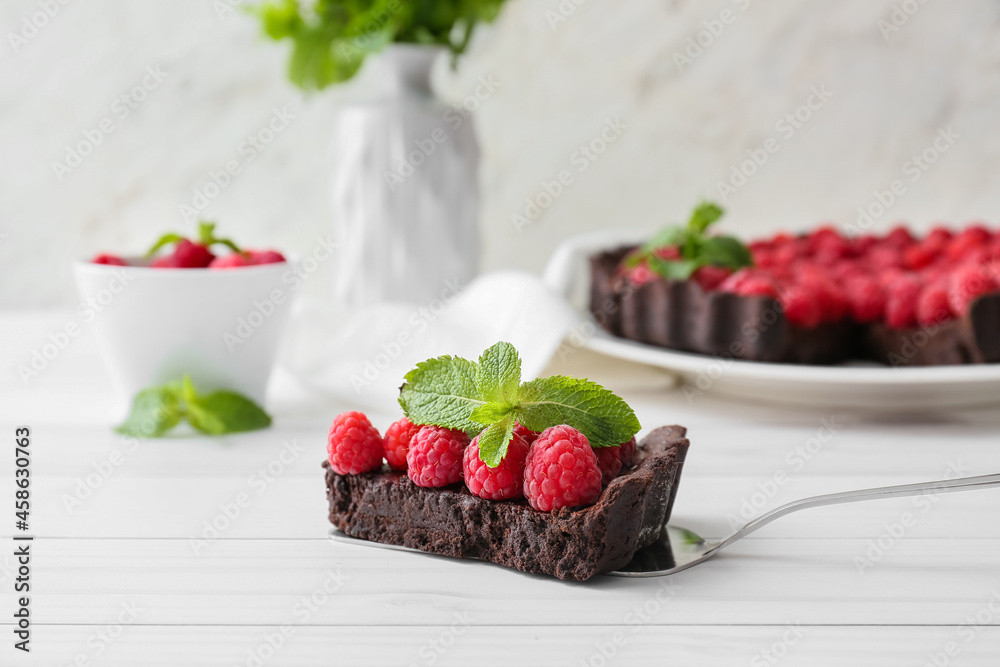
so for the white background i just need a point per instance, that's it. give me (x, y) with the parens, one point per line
(558, 84)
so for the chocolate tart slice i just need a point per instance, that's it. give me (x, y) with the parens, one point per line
(679, 315)
(385, 506)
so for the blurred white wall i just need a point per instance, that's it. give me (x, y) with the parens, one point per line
(884, 85)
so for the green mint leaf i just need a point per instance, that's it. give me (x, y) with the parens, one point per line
(154, 412)
(488, 413)
(206, 232)
(725, 251)
(166, 239)
(498, 375)
(599, 414)
(703, 217)
(226, 412)
(443, 392)
(678, 269)
(667, 236)
(494, 439)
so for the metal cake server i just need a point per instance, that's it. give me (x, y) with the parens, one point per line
(679, 549)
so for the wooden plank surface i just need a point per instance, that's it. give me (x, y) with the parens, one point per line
(202, 549)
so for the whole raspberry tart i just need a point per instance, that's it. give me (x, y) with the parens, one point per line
(816, 298)
(552, 483)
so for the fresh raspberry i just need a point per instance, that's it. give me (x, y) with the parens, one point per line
(396, 442)
(501, 483)
(640, 274)
(231, 261)
(525, 432)
(969, 239)
(628, 452)
(747, 282)
(828, 246)
(785, 254)
(111, 260)
(899, 237)
(968, 282)
(561, 470)
(259, 257)
(668, 252)
(938, 237)
(833, 305)
(354, 445)
(609, 460)
(884, 257)
(801, 307)
(865, 297)
(864, 243)
(901, 301)
(709, 277)
(919, 256)
(186, 255)
(435, 456)
(933, 306)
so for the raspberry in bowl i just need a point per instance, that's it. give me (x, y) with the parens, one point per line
(170, 313)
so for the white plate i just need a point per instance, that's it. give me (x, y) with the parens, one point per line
(850, 385)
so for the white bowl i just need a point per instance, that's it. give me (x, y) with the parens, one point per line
(220, 326)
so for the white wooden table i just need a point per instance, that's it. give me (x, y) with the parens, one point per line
(130, 575)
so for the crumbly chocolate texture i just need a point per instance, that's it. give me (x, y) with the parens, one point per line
(680, 315)
(385, 506)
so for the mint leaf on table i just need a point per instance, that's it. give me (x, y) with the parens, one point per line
(226, 412)
(488, 397)
(588, 407)
(442, 391)
(156, 410)
(704, 215)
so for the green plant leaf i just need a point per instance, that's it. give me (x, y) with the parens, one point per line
(725, 251)
(675, 269)
(599, 414)
(166, 239)
(494, 439)
(703, 216)
(667, 236)
(226, 412)
(442, 391)
(498, 374)
(154, 412)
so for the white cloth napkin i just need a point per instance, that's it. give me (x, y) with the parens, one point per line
(363, 355)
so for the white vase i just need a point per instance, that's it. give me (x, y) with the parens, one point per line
(404, 188)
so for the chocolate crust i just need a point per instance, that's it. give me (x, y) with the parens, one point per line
(680, 315)
(385, 506)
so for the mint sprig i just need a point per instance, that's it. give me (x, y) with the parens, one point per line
(695, 247)
(488, 397)
(206, 237)
(156, 410)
